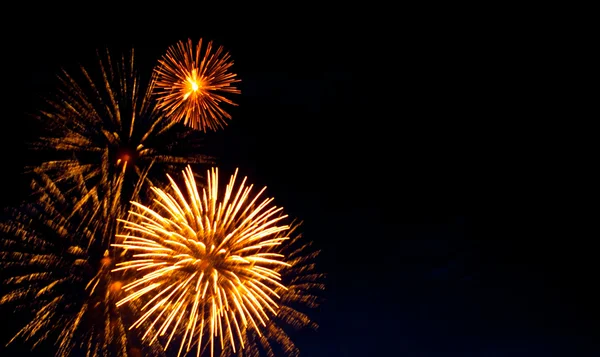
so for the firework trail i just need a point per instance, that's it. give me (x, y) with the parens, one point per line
(193, 83)
(57, 273)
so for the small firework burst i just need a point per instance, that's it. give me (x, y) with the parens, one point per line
(193, 83)
(208, 262)
(55, 270)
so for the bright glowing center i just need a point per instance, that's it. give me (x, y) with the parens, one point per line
(208, 261)
(193, 84)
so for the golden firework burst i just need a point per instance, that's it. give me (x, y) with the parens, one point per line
(208, 262)
(192, 84)
(56, 269)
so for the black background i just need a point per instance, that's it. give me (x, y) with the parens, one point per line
(373, 126)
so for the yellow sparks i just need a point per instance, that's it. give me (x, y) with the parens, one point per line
(207, 263)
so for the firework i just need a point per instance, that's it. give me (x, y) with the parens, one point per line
(102, 124)
(208, 262)
(193, 83)
(304, 284)
(57, 271)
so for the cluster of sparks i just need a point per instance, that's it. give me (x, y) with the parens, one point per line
(211, 260)
(111, 259)
(193, 82)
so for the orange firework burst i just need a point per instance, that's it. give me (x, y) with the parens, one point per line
(211, 262)
(192, 84)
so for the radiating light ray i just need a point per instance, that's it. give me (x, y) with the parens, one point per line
(192, 84)
(217, 252)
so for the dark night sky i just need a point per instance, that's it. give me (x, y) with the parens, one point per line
(370, 135)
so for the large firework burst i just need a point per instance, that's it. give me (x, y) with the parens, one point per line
(193, 83)
(103, 124)
(57, 272)
(208, 262)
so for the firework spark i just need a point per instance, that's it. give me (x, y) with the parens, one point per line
(103, 123)
(208, 262)
(193, 83)
(55, 268)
